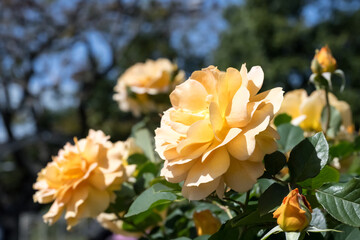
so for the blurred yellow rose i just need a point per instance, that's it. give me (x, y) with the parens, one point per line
(294, 214)
(323, 61)
(217, 131)
(139, 82)
(82, 177)
(206, 223)
(306, 110)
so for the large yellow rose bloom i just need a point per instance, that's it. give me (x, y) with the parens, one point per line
(294, 214)
(217, 131)
(306, 110)
(140, 81)
(81, 178)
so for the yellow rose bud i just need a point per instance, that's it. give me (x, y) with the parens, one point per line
(323, 61)
(206, 223)
(294, 214)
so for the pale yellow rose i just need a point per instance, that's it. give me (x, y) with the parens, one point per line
(82, 177)
(294, 214)
(111, 222)
(139, 82)
(217, 131)
(306, 110)
(206, 223)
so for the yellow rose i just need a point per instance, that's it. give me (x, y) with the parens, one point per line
(294, 214)
(206, 223)
(217, 131)
(306, 110)
(81, 179)
(142, 80)
(323, 61)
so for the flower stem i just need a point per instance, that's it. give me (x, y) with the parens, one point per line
(327, 125)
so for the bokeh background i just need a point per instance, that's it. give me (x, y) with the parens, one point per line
(60, 60)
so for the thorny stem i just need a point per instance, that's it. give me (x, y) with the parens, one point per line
(328, 111)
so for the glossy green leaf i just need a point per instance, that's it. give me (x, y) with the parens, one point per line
(272, 198)
(327, 175)
(282, 119)
(342, 201)
(347, 233)
(290, 135)
(274, 162)
(156, 195)
(308, 158)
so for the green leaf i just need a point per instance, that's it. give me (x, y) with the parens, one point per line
(274, 162)
(156, 195)
(308, 157)
(144, 140)
(327, 175)
(202, 237)
(342, 149)
(227, 231)
(290, 135)
(347, 233)
(282, 119)
(294, 235)
(272, 198)
(137, 159)
(357, 143)
(275, 230)
(252, 218)
(342, 201)
(318, 219)
(335, 120)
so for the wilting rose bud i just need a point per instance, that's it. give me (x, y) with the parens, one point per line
(294, 214)
(206, 223)
(323, 61)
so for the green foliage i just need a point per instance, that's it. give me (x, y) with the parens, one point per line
(154, 196)
(327, 175)
(335, 121)
(290, 135)
(282, 119)
(308, 158)
(342, 201)
(145, 140)
(272, 198)
(347, 232)
(274, 162)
